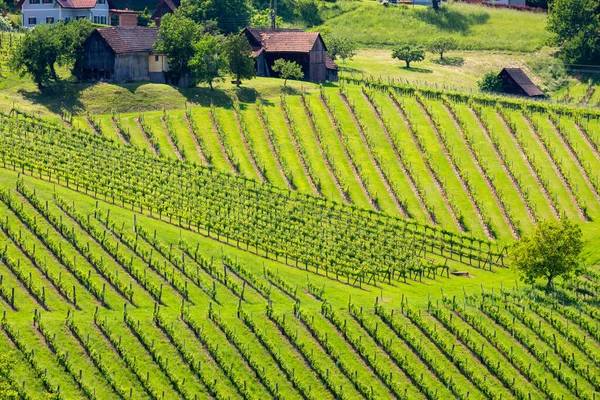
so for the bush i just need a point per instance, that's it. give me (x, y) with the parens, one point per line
(490, 82)
(5, 24)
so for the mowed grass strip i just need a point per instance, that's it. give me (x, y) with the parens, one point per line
(205, 129)
(185, 137)
(107, 128)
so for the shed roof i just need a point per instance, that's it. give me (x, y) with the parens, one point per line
(282, 40)
(129, 39)
(172, 5)
(521, 79)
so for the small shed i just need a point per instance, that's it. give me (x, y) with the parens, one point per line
(515, 81)
(122, 54)
(305, 48)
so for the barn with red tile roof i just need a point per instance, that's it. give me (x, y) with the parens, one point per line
(305, 48)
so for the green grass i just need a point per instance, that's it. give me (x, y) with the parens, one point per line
(370, 24)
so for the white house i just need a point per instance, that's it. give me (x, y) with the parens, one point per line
(36, 12)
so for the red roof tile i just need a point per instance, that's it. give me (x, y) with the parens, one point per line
(283, 40)
(129, 39)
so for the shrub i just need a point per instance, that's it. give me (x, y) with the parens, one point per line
(490, 82)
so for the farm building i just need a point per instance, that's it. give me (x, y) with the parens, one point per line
(122, 54)
(515, 81)
(305, 48)
(163, 8)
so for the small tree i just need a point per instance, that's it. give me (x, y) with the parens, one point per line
(490, 82)
(442, 44)
(208, 60)
(239, 56)
(341, 47)
(551, 251)
(288, 70)
(409, 53)
(178, 36)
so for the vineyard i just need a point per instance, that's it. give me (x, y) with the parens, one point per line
(340, 244)
(8, 42)
(481, 166)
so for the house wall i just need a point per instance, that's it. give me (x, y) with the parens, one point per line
(157, 66)
(512, 2)
(128, 20)
(42, 11)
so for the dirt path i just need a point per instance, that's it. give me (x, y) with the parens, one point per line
(383, 177)
(289, 184)
(146, 137)
(222, 145)
(481, 172)
(529, 166)
(261, 175)
(348, 159)
(170, 139)
(507, 171)
(400, 161)
(345, 197)
(542, 144)
(311, 179)
(195, 139)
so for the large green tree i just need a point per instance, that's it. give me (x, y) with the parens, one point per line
(239, 58)
(576, 28)
(209, 60)
(36, 55)
(551, 251)
(178, 36)
(230, 15)
(71, 36)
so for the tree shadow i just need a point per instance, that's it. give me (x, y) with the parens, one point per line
(450, 61)
(451, 20)
(418, 70)
(58, 96)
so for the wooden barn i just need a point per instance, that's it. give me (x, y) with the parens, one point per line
(515, 81)
(305, 48)
(122, 54)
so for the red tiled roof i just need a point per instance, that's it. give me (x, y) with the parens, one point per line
(115, 11)
(329, 63)
(71, 3)
(283, 40)
(129, 39)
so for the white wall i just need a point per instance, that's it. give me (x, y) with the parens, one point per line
(42, 11)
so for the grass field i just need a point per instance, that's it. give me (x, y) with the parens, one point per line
(469, 167)
(112, 303)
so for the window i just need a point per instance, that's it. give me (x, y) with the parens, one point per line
(67, 19)
(103, 20)
(49, 20)
(96, 20)
(101, 1)
(155, 58)
(34, 1)
(32, 21)
(47, 1)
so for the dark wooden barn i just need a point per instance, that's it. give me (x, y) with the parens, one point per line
(305, 48)
(515, 81)
(122, 54)
(163, 8)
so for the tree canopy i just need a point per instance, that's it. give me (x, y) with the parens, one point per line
(178, 36)
(339, 46)
(409, 53)
(288, 70)
(551, 251)
(230, 15)
(576, 28)
(208, 60)
(239, 56)
(490, 82)
(442, 44)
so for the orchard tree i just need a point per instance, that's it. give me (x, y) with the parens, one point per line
(208, 60)
(551, 251)
(342, 47)
(36, 55)
(71, 36)
(288, 70)
(576, 28)
(442, 44)
(409, 53)
(239, 57)
(177, 38)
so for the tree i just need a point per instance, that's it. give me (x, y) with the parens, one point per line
(442, 44)
(490, 82)
(71, 36)
(575, 25)
(239, 57)
(308, 10)
(208, 60)
(231, 15)
(178, 36)
(288, 70)
(36, 55)
(5, 25)
(551, 251)
(409, 53)
(342, 47)
(263, 19)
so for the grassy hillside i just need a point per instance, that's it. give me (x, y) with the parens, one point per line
(132, 306)
(371, 25)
